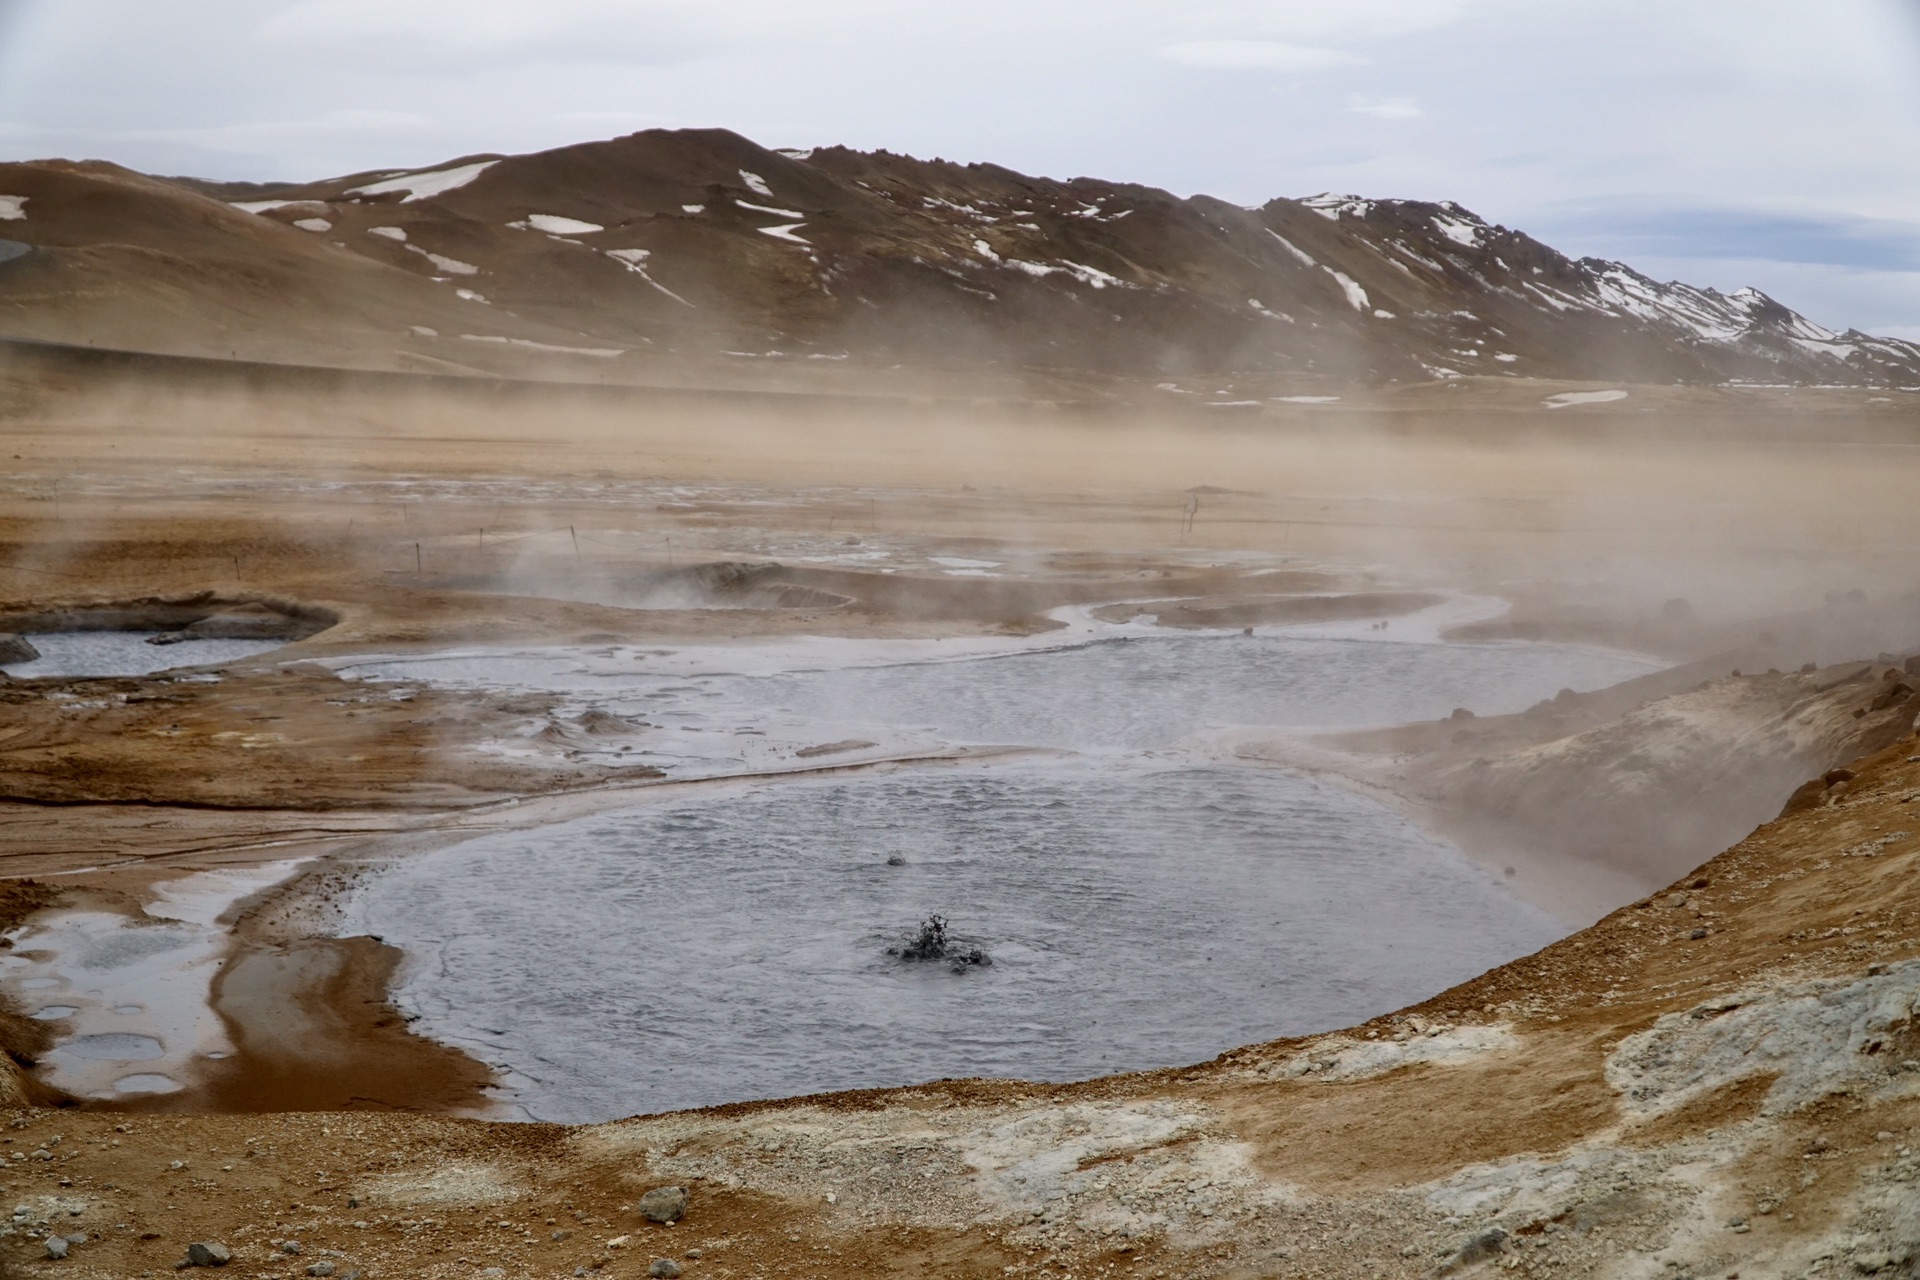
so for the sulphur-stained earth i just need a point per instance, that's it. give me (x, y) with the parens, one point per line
(1717, 1077)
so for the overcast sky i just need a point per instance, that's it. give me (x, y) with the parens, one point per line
(1724, 142)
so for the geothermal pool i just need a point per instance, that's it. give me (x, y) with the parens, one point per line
(737, 946)
(1144, 900)
(126, 653)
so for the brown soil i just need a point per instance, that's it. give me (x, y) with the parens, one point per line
(312, 1031)
(296, 738)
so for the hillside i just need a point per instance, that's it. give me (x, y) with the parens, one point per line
(698, 247)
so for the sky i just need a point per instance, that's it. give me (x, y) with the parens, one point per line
(1723, 142)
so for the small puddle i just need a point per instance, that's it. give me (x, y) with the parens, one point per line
(147, 1082)
(133, 989)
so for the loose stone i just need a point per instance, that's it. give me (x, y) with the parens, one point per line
(208, 1253)
(664, 1204)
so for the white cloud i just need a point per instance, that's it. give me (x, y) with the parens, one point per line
(1270, 55)
(1327, 19)
(1385, 108)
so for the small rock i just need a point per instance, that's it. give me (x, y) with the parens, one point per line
(664, 1204)
(56, 1248)
(694, 1254)
(208, 1253)
(664, 1269)
(1489, 1243)
(15, 648)
(558, 1236)
(290, 1246)
(324, 1267)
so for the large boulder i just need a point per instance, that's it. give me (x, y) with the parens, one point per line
(15, 648)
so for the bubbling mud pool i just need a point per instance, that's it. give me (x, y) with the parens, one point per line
(736, 946)
(1144, 904)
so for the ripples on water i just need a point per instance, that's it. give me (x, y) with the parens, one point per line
(1142, 906)
(735, 946)
(1143, 693)
(126, 653)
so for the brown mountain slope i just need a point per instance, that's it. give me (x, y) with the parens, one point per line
(701, 244)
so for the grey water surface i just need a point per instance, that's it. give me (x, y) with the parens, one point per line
(1143, 904)
(736, 946)
(126, 653)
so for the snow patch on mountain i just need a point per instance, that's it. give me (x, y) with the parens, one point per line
(1356, 296)
(1299, 254)
(388, 233)
(1458, 230)
(423, 186)
(555, 225)
(1332, 207)
(756, 184)
(452, 266)
(765, 208)
(635, 260)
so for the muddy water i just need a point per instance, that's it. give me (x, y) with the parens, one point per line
(126, 653)
(127, 994)
(1118, 692)
(737, 947)
(1143, 904)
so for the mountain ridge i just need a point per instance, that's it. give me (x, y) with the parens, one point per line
(702, 243)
